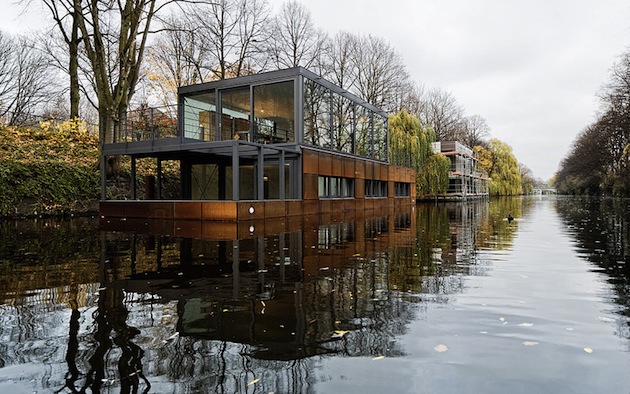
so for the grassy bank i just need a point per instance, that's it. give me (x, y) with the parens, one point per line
(49, 170)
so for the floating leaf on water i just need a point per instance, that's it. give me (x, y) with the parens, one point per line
(173, 336)
(569, 328)
(441, 348)
(324, 269)
(502, 318)
(226, 310)
(253, 381)
(526, 324)
(483, 332)
(339, 333)
(378, 358)
(530, 343)
(356, 255)
(588, 350)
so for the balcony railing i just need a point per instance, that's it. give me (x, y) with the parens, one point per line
(149, 123)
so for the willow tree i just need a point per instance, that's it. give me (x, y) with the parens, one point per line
(505, 178)
(433, 177)
(410, 146)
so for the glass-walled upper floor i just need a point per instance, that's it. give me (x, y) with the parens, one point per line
(336, 122)
(297, 107)
(261, 113)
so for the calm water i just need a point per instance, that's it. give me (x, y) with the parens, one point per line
(438, 299)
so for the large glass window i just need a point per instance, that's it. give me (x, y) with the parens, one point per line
(363, 131)
(274, 113)
(200, 116)
(335, 187)
(316, 114)
(380, 138)
(343, 121)
(235, 109)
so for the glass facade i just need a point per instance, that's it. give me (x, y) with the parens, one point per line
(274, 113)
(200, 116)
(265, 113)
(334, 121)
(316, 114)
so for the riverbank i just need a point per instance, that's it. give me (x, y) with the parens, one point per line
(48, 170)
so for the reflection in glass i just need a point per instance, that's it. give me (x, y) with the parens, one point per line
(235, 109)
(200, 116)
(274, 113)
(363, 131)
(343, 121)
(316, 114)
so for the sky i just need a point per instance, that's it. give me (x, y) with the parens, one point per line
(531, 68)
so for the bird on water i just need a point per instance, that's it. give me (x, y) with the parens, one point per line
(509, 218)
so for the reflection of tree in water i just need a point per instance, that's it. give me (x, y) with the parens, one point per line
(445, 250)
(601, 228)
(170, 313)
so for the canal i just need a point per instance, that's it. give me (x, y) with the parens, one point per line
(448, 298)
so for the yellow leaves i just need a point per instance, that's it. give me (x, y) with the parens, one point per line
(588, 350)
(69, 126)
(253, 382)
(339, 333)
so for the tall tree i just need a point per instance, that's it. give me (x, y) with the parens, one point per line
(505, 178)
(381, 73)
(26, 84)
(65, 14)
(233, 32)
(114, 37)
(476, 130)
(295, 40)
(443, 114)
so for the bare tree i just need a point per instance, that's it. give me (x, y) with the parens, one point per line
(295, 40)
(381, 73)
(7, 71)
(25, 81)
(176, 59)
(443, 114)
(339, 63)
(476, 130)
(65, 14)
(232, 32)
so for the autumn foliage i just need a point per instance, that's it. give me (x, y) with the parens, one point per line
(51, 169)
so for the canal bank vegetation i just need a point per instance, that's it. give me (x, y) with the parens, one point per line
(52, 169)
(598, 162)
(48, 170)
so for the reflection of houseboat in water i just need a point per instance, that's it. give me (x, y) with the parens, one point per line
(283, 288)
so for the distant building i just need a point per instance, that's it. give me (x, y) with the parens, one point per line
(465, 179)
(274, 144)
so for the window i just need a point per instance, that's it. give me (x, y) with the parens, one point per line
(343, 121)
(375, 188)
(274, 113)
(200, 113)
(402, 189)
(316, 114)
(235, 110)
(335, 187)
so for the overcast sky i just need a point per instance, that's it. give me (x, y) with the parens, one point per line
(530, 68)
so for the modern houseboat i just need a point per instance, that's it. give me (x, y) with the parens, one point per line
(268, 145)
